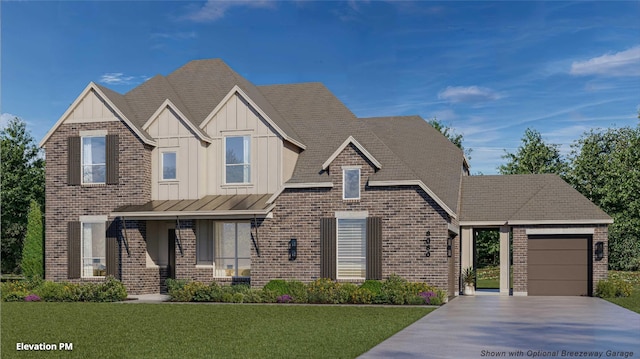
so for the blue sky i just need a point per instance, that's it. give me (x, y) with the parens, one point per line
(488, 69)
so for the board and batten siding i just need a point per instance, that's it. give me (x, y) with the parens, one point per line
(172, 135)
(237, 118)
(91, 109)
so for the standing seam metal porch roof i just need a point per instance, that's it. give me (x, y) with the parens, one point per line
(206, 206)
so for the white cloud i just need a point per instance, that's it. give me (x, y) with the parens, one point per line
(175, 36)
(468, 94)
(119, 78)
(623, 63)
(213, 10)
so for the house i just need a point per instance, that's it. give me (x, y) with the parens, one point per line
(202, 175)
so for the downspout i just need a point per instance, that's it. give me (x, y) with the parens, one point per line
(126, 237)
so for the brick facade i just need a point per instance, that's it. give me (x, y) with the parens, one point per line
(407, 213)
(66, 203)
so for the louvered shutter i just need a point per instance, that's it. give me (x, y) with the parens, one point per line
(112, 149)
(73, 161)
(73, 250)
(374, 248)
(112, 249)
(328, 248)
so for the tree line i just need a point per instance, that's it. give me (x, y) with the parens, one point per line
(603, 165)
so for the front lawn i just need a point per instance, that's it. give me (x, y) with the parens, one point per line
(632, 302)
(115, 330)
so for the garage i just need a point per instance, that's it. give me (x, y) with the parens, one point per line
(559, 265)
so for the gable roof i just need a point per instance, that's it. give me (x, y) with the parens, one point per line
(526, 199)
(325, 124)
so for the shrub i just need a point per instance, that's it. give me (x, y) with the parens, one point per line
(60, 292)
(345, 292)
(237, 298)
(269, 296)
(227, 297)
(14, 291)
(323, 291)
(254, 296)
(394, 290)
(175, 284)
(111, 290)
(612, 287)
(278, 286)
(32, 257)
(362, 296)
(298, 291)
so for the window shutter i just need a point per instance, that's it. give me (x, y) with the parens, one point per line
(328, 248)
(112, 159)
(73, 161)
(374, 248)
(112, 248)
(73, 250)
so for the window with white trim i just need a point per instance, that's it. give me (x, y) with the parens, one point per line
(237, 159)
(94, 261)
(351, 183)
(232, 250)
(94, 163)
(169, 166)
(351, 248)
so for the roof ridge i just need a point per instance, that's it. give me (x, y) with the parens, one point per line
(535, 195)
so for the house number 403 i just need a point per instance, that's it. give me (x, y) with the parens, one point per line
(428, 244)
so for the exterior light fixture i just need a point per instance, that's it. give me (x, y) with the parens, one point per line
(449, 247)
(599, 250)
(293, 249)
(428, 244)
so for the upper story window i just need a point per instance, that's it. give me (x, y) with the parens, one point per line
(169, 166)
(350, 183)
(94, 163)
(237, 159)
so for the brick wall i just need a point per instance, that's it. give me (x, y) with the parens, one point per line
(520, 248)
(407, 213)
(66, 203)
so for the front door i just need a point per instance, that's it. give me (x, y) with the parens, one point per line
(171, 262)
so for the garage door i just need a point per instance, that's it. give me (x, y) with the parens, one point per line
(558, 266)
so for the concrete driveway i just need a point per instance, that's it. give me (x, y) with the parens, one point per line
(528, 327)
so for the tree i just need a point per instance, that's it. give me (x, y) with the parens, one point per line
(534, 156)
(22, 180)
(32, 252)
(605, 168)
(451, 134)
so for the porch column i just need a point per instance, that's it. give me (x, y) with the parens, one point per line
(466, 248)
(504, 260)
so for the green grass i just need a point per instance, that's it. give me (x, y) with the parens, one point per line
(489, 277)
(632, 302)
(116, 330)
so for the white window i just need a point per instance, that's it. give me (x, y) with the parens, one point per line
(204, 242)
(94, 263)
(232, 250)
(237, 159)
(169, 165)
(94, 163)
(351, 183)
(351, 247)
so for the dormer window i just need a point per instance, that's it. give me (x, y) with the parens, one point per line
(351, 183)
(237, 159)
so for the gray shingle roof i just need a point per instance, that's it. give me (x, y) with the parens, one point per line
(524, 198)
